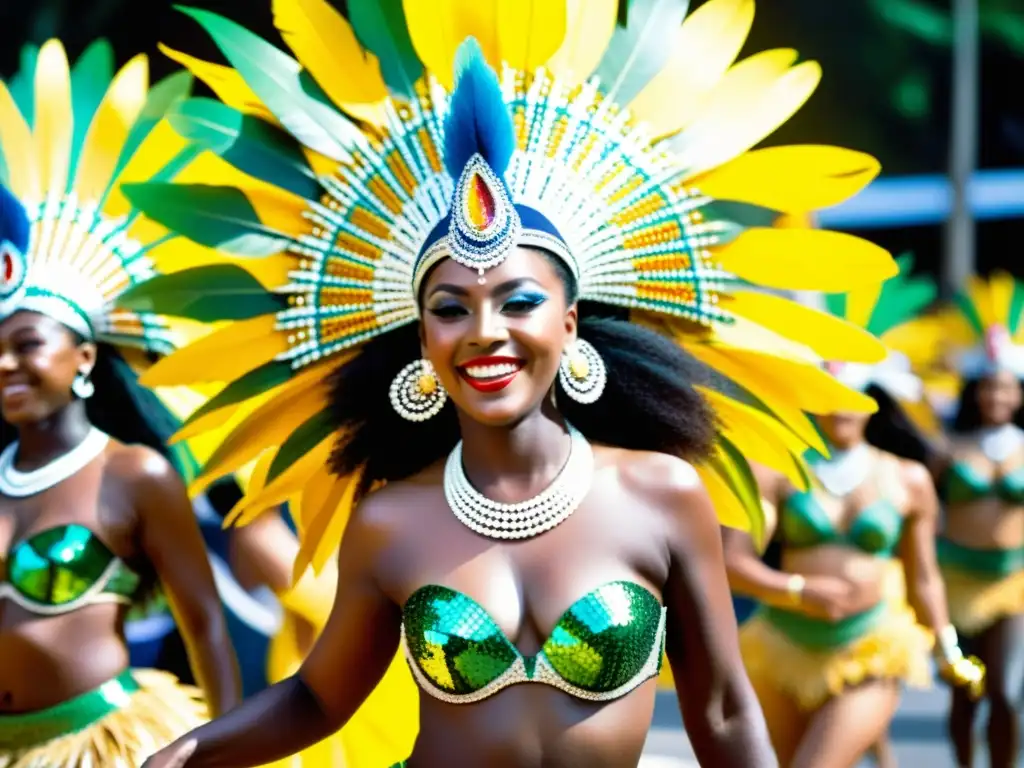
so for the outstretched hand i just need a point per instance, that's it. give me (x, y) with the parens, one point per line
(174, 756)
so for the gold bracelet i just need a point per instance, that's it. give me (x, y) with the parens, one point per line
(795, 588)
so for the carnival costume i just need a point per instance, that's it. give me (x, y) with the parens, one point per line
(986, 334)
(349, 172)
(812, 659)
(71, 243)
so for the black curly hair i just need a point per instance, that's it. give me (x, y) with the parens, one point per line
(649, 402)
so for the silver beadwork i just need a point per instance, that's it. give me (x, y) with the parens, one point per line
(527, 518)
(416, 393)
(582, 372)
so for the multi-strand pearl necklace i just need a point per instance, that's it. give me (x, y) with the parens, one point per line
(522, 519)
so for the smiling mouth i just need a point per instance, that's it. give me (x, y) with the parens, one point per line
(10, 391)
(490, 375)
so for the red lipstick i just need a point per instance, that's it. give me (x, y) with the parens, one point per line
(490, 374)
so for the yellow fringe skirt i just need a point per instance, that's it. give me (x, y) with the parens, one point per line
(982, 585)
(892, 645)
(119, 724)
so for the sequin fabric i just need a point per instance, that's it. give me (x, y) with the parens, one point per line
(605, 645)
(61, 568)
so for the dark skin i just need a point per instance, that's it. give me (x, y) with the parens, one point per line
(841, 582)
(990, 523)
(131, 498)
(515, 443)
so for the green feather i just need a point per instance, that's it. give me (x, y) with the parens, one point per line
(970, 313)
(207, 294)
(251, 145)
(255, 382)
(639, 49)
(835, 303)
(300, 442)
(276, 78)
(215, 216)
(90, 77)
(901, 303)
(159, 100)
(22, 85)
(380, 27)
(1016, 308)
(735, 471)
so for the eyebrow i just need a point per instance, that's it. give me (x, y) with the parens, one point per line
(505, 287)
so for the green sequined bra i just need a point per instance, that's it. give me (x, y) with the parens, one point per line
(606, 644)
(65, 568)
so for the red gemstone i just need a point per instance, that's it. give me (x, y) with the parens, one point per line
(8, 266)
(480, 203)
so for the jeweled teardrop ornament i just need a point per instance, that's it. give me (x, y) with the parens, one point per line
(8, 268)
(479, 203)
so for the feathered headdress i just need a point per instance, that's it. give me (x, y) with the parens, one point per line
(351, 167)
(883, 311)
(984, 329)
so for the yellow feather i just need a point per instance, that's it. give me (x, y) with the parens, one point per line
(109, 128)
(749, 104)
(530, 31)
(225, 82)
(326, 525)
(220, 418)
(311, 500)
(731, 514)
(828, 336)
(742, 333)
(1000, 288)
(269, 425)
(806, 260)
(438, 27)
(222, 356)
(589, 28)
(18, 149)
(177, 254)
(54, 120)
(793, 179)
(778, 396)
(289, 482)
(860, 303)
(981, 297)
(321, 165)
(324, 43)
(756, 435)
(158, 148)
(257, 479)
(705, 47)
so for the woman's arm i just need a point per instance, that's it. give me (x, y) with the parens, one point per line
(348, 660)
(722, 715)
(926, 592)
(171, 541)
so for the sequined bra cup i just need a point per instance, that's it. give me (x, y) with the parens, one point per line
(964, 484)
(875, 530)
(65, 568)
(605, 645)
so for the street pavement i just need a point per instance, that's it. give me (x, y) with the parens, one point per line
(918, 734)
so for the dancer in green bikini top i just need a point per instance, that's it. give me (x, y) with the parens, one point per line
(93, 515)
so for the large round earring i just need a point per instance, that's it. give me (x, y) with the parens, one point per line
(416, 394)
(82, 388)
(582, 372)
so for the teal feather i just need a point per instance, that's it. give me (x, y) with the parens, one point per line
(380, 27)
(161, 97)
(836, 304)
(275, 78)
(641, 47)
(1016, 308)
(478, 120)
(22, 85)
(91, 76)
(300, 442)
(251, 145)
(208, 294)
(970, 314)
(255, 382)
(218, 217)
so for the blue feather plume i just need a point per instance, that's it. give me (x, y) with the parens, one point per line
(478, 120)
(14, 226)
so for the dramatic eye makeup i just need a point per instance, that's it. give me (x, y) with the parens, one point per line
(523, 301)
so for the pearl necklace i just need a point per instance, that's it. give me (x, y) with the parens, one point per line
(522, 519)
(16, 484)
